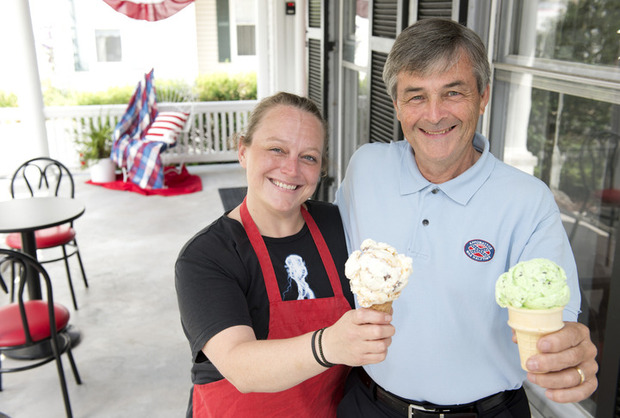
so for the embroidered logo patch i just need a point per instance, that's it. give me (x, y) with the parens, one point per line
(479, 250)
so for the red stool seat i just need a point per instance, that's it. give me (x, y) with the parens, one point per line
(609, 196)
(45, 238)
(11, 331)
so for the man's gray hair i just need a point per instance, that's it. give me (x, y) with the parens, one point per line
(431, 45)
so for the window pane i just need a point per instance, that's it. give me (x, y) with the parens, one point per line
(582, 31)
(355, 46)
(108, 45)
(246, 40)
(223, 30)
(355, 111)
(571, 143)
(245, 12)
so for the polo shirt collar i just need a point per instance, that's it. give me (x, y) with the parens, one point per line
(459, 189)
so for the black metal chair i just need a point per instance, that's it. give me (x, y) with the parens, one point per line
(47, 177)
(3, 285)
(34, 331)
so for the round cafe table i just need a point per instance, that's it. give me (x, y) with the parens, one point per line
(27, 215)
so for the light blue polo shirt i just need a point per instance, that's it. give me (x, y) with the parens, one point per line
(452, 343)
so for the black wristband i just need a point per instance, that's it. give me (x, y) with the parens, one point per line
(323, 359)
(316, 357)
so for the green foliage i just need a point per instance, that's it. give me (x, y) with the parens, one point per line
(207, 87)
(221, 86)
(8, 99)
(581, 118)
(53, 96)
(587, 34)
(174, 91)
(96, 142)
(114, 95)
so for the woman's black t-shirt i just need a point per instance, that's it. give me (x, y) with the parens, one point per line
(219, 282)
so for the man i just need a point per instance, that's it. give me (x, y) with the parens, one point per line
(434, 197)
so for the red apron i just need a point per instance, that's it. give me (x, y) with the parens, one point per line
(316, 397)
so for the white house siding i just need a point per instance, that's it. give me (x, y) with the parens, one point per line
(206, 36)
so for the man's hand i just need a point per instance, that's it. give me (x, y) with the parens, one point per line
(563, 354)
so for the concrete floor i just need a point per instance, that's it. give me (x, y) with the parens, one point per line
(133, 357)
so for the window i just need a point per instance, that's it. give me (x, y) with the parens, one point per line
(223, 30)
(354, 90)
(245, 23)
(108, 45)
(236, 29)
(246, 40)
(557, 85)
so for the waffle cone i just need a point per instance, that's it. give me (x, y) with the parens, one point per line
(383, 307)
(530, 325)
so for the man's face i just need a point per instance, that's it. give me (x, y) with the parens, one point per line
(438, 114)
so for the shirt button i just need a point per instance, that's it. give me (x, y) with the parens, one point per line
(434, 191)
(425, 222)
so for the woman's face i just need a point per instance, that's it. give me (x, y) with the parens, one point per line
(283, 162)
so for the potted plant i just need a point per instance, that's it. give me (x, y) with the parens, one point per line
(94, 149)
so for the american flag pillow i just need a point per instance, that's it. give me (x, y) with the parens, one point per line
(166, 127)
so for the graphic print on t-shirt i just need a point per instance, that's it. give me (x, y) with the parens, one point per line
(297, 272)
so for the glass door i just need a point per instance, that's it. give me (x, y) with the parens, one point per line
(354, 88)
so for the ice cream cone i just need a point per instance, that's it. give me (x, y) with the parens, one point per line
(383, 307)
(377, 273)
(530, 325)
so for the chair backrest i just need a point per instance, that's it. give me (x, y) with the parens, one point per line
(178, 98)
(22, 264)
(2, 282)
(42, 176)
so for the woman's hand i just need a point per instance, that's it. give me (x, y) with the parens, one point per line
(361, 336)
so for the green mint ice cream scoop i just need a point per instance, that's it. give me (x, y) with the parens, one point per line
(535, 284)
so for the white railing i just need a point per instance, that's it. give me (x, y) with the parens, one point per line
(210, 137)
(211, 133)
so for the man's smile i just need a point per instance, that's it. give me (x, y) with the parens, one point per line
(443, 131)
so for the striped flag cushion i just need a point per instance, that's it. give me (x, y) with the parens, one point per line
(166, 127)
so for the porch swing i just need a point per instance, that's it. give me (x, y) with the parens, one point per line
(144, 133)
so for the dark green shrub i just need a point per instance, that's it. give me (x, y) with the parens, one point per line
(207, 87)
(222, 86)
(113, 95)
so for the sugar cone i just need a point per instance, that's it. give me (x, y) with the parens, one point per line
(530, 325)
(383, 307)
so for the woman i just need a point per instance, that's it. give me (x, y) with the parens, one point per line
(263, 298)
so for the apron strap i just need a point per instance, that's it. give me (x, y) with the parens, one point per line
(261, 252)
(326, 256)
(266, 265)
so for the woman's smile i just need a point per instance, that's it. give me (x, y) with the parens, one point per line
(283, 185)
